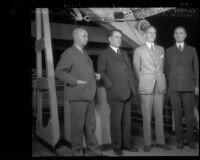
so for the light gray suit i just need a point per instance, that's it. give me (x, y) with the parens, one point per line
(152, 86)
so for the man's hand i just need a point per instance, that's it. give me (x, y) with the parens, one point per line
(81, 82)
(98, 76)
(196, 92)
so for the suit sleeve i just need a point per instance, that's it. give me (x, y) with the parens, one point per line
(63, 69)
(196, 68)
(101, 68)
(166, 67)
(136, 62)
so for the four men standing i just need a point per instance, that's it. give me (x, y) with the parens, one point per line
(75, 68)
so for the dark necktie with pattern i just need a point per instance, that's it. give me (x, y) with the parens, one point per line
(180, 48)
(118, 52)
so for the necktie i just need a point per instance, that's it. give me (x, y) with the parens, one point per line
(152, 49)
(118, 52)
(180, 48)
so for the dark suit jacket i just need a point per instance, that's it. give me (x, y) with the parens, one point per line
(182, 69)
(72, 66)
(117, 74)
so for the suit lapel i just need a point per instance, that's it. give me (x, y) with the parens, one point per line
(184, 51)
(156, 55)
(149, 53)
(159, 56)
(176, 53)
(88, 58)
(114, 55)
(124, 57)
(84, 56)
(78, 53)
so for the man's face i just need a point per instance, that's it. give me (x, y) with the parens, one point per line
(150, 34)
(179, 35)
(116, 39)
(82, 38)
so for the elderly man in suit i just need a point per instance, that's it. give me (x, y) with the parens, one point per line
(148, 61)
(117, 75)
(75, 68)
(182, 72)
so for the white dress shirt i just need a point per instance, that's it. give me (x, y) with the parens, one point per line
(178, 44)
(149, 44)
(79, 48)
(114, 48)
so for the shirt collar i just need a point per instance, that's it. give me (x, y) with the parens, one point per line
(114, 48)
(149, 44)
(178, 44)
(79, 48)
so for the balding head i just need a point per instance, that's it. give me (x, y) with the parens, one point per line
(80, 36)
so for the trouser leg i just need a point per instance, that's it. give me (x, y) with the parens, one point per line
(126, 123)
(116, 108)
(147, 103)
(89, 129)
(77, 110)
(188, 104)
(158, 114)
(175, 98)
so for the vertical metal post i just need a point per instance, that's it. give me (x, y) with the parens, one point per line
(51, 132)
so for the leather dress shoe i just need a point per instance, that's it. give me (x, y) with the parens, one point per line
(130, 149)
(164, 146)
(180, 146)
(147, 148)
(192, 146)
(118, 152)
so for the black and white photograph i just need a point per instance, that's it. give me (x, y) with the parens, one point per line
(102, 81)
